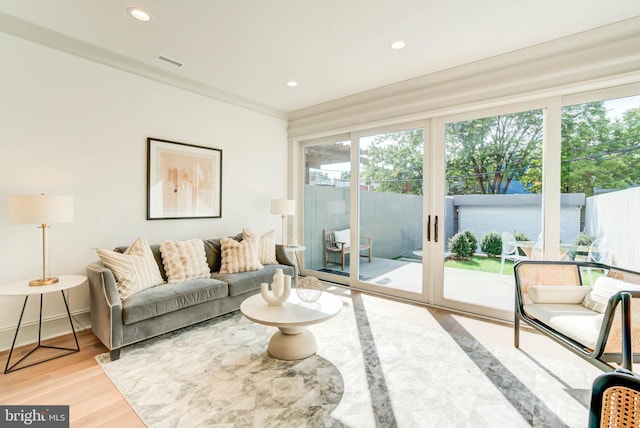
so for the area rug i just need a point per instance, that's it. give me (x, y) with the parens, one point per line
(370, 371)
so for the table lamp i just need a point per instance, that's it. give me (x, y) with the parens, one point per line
(43, 210)
(283, 207)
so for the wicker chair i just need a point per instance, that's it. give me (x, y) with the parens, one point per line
(615, 397)
(607, 352)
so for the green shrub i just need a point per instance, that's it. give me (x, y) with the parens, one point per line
(473, 241)
(460, 246)
(491, 244)
(582, 239)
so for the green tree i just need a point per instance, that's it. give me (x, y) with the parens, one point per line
(486, 155)
(595, 153)
(318, 177)
(395, 162)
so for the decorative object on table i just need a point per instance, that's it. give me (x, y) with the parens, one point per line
(283, 208)
(308, 289)
(280, 289)
(183, 180)
(43, 210)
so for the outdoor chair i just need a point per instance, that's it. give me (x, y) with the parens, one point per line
(339, 242)
(509, 251)
(596, 252)
(551, 298)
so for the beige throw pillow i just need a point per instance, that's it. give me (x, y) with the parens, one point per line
(239, 256)
(266, 246)
(141, 247)
(184, 260)
(603, 289)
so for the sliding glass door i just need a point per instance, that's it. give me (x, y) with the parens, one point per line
(440, 210)
(391, 194)
(491, 200)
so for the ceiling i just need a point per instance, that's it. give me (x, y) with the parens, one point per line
(249, 49)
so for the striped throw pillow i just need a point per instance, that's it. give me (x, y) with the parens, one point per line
(131, 271)
(266, 246)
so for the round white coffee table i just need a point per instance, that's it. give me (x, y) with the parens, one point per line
(293, 341)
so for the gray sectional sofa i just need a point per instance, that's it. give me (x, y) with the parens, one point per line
(164, 308)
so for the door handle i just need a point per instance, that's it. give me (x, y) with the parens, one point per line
(435, 230)
(428, 228)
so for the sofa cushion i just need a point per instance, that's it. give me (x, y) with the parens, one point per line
(184, 260)
(558, 293)
(163, 299)
(575, 321)
(239, 256)
(141, 246)
(213, 250)
(266, 246)
(603, 288)
(134, 271)
(243, 282)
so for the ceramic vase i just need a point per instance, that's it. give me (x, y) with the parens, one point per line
(280, 289)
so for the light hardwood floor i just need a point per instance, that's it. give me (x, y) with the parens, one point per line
(75, 380)
(78, 381)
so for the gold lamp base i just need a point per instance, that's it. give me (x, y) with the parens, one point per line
(43, 281)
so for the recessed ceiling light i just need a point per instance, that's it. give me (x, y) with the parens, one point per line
(292, 84)
(139, 14)
(398, 44)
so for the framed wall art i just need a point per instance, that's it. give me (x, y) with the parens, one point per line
(183, 181)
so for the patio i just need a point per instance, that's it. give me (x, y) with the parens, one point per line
(469, 286)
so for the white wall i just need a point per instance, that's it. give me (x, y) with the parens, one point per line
(71, 126)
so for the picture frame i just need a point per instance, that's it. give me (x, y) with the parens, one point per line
(184, 181)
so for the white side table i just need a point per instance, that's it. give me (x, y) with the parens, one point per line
(22, 288)
(293, 341)
(296, 249)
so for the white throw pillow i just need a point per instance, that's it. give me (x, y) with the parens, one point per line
(239, 256)
(130, 271)
(603, 289)
(266, 246)
(184, 260)
(343, 236)
(141, 247)
(558, 293)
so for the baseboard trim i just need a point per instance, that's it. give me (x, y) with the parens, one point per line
(51, 327)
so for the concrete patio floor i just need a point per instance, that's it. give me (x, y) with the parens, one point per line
(474, 287)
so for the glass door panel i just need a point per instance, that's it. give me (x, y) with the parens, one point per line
(327, 192)
(492, 208)
(388, 250)
(601, 163)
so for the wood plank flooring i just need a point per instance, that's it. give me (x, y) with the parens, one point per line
(75, 380)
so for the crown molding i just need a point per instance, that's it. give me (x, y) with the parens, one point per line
(52, 39)
(594, 59)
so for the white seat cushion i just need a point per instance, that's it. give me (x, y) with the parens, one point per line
(574, 321)
(343, 236)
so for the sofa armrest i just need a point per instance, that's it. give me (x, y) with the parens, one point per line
(283, 257)
(106, 306)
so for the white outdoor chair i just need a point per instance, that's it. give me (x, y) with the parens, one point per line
(509, 251)
(598, 253)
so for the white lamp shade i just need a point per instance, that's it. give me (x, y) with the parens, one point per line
(40, 209)
(283, 207)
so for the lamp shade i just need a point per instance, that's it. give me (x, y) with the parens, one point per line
(283, 207)
(40, 209)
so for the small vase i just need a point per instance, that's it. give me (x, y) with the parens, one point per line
(280, 290)
(278, 282)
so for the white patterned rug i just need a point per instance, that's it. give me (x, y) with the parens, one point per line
(370, 371)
